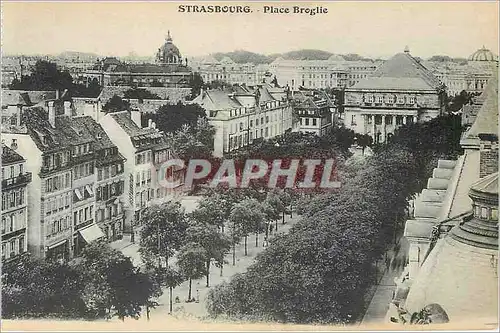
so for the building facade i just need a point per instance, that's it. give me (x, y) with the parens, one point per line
(15, 179)
(231, 72)
(400, 91)
(63, 152)
(334, 72)
(315, 111)
(169, 70)
(242, 114)
(145, 150)
(471, 75)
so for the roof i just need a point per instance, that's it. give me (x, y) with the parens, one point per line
(401, 72)
(460, 278)
(124, 120)
(10, 156)
(483, 54)
(172, 94)
(488, 184)
(25, 97)
(487, 117)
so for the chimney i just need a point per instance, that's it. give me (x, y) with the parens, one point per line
(52, 114)
(67, 108)
(13, 144)
(57, 93)
(135, 115)
(488, 158)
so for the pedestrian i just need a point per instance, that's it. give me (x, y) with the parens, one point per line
(265, 241)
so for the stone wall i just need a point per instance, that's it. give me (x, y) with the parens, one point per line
(488, 162)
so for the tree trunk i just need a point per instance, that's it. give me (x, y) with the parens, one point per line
(234, 254)
(221, 269)
(166, 260)
(189, 294)
(257, 239)
(246, 252)
(291, 211)
(276, 226)
(283, 217)
(171, 300)
(222, 227)
(208, 273)
(147, 312)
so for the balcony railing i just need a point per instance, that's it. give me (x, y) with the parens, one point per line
(24, 178)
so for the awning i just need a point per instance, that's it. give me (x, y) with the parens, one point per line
(57, 244)
(91, 233)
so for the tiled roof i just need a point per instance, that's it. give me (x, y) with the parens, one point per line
(43, 134)
(9, 156)
(218, 100)
(26, 98)
(401, 72)
(124, 120)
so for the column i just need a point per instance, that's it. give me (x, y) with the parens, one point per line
(374, 133)
(414, 119)
(383, 128)
(404, 120)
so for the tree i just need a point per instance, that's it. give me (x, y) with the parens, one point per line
(195, 83)
(45, 76)
(215, 244)
(275, 207)
(171, 117)
(364, 140)
(116, 104)
(247, 217)
(163, 232)
(191, 261)
(113, 286)
(140, 94)
(36, 288)
(170, 278)
(213, 209)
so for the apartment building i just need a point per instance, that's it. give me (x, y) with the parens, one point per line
(14, 203)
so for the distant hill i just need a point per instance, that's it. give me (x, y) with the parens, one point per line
(444, 58)
(242, 56)
(307, 54)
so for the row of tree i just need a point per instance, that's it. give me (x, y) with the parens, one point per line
(321, 270)
(202, 238)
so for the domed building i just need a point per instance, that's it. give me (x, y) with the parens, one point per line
(168, 70)
(483, 54)
(168, 53)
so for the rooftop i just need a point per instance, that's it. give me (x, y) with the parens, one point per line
(9, 156)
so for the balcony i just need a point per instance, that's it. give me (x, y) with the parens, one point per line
(22, 179)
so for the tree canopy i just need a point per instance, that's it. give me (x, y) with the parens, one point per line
(46, 76)
(116, 104)
(321, 270)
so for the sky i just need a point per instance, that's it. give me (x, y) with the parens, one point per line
(373, 29)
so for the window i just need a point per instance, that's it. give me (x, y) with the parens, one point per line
(369, 119)
(484, 213)
(307, 121)
(412, 100)
(21, 244)
(494, 214)
(353, 120)
(99, 174)
(256, 122)
(401, 100)
(399, 120)
(371, 99)
(388, 120)
(380, 99)
(267, 132)
(314, 121)
(378, 120)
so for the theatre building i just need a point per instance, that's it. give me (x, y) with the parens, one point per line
(400, 91)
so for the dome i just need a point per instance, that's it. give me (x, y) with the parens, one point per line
(168, 52)
(482, 54)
